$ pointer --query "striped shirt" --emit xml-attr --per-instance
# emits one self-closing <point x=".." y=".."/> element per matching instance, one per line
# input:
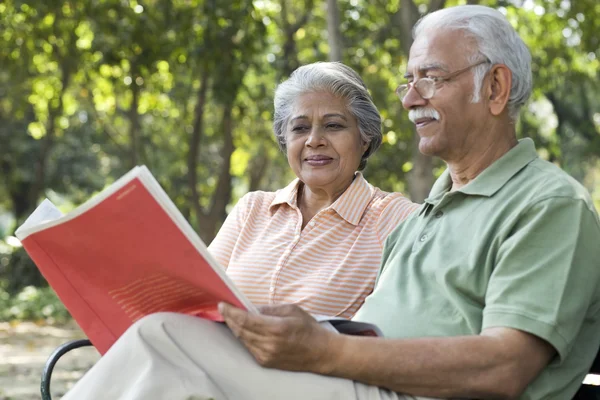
<point x="327" y="268"/>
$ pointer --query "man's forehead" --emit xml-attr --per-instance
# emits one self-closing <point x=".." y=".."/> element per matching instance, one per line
<point x="427" y="66"/>
<point x="437" y="49"/>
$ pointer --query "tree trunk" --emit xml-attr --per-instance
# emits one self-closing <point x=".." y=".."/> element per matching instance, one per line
<point x="195" y="139"/>
<point x="420" y="178"/>
<point x="257" y="170"/>
<point x="134" y="119"/>
<point x="334" y="37"/>
<point x="207" y="225"/>
<point x="21" y="205"/>
<point x="39" y="181"/>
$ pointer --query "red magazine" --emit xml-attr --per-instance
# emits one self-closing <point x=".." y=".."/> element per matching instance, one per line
<point x="126" y="253"/>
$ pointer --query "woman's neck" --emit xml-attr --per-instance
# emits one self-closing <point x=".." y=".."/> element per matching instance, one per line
<point x="313" y="200"/>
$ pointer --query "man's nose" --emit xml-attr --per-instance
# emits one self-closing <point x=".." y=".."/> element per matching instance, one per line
<point x="413" y="99"/>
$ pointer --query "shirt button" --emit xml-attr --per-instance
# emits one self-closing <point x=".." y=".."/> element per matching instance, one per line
<point x="312" y="223"/>
<point x="439" y="214"/>
<point x="423" y="238"/>
<point x="297" y="237"/>
<point x="277" y="268"/>
<point x="272" y="289"/>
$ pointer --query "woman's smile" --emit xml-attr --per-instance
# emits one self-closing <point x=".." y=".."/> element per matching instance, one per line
<point x="318" y="160"/>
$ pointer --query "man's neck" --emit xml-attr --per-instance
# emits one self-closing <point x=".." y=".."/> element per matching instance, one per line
<point x="467" y="168"/>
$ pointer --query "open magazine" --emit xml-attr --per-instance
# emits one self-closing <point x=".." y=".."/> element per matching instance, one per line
<point x="128" y="252"/>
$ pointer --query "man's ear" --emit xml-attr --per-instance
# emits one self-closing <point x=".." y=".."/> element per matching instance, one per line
<point x="498" y="88"/>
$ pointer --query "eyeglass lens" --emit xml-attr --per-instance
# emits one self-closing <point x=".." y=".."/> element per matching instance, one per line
<point x="425" y="87"/>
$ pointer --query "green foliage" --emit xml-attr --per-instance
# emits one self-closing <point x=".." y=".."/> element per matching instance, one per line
<point x="17" y="270"/>
<point x="32" y="304"/>
<point x="24" y="293"/>
<point x="89" y="89"/>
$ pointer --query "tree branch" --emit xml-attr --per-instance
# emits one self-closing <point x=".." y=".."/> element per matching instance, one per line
<point x="435" y="5"/>
<point x="108" y="129"/>
<point x="305" y="17"/>
<point x="290" y="57"/>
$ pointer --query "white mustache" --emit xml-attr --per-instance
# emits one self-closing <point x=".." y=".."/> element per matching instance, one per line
<point x="418" y="113"/>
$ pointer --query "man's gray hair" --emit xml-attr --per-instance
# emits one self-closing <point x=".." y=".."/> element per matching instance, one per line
<point x="497" y="41"/>
<point x="339" y="80"/>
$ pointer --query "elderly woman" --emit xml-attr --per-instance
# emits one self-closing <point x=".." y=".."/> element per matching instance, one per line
<point x="318" y="242"/>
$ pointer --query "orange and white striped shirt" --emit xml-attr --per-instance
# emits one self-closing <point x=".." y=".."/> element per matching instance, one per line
<point x="327" y="268"/>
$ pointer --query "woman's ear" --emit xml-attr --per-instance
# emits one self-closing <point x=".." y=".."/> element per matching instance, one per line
<point x="365" y="146"/>
<point x="498" y="90"/>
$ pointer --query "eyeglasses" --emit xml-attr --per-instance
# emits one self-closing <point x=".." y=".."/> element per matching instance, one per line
<point x="426" y="87"/>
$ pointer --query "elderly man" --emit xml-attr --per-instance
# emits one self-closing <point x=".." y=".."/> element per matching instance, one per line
<point x="490" y="290"/>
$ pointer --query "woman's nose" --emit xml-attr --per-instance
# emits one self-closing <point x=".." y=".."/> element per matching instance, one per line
<point x="315" y="138"/>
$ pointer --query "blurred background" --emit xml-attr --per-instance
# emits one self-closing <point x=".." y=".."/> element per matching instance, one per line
<point x="91" y="88"/>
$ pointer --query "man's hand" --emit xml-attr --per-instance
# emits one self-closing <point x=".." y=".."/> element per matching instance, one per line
<point x="282" y="336"/>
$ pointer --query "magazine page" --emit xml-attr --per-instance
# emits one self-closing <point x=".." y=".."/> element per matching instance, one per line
<point x="38" y="225"/>
<point x="45" y="212"/>
<point x="128" y="255"/>
<point x="163" y="199"/>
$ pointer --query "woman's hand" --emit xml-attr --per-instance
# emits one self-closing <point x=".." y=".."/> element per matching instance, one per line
<point x="283" y="337"/>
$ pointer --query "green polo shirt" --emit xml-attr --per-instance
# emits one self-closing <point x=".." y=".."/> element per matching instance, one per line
<point x="518" y="247"/>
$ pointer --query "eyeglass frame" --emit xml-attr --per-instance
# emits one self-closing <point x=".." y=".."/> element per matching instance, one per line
<point x="435" y="81"/>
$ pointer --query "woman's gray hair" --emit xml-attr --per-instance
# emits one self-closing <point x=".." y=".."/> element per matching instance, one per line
<point x="339" y="80"/>
<point x="497" y="41"/>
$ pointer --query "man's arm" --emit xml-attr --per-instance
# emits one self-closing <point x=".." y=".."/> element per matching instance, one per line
<point x="543" y="282"/>
<point x="497" y="364"/>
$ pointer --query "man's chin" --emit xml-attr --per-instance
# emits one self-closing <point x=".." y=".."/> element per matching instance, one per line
<point x="428" y="147"/>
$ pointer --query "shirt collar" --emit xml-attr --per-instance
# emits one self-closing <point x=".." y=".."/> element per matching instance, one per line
<point x="494" y="177"/>
<point x="351" y="205"/>
<point x="288" y="194"/>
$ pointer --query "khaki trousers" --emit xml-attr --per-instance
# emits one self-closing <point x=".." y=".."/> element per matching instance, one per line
<point x="179" y="357"/>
